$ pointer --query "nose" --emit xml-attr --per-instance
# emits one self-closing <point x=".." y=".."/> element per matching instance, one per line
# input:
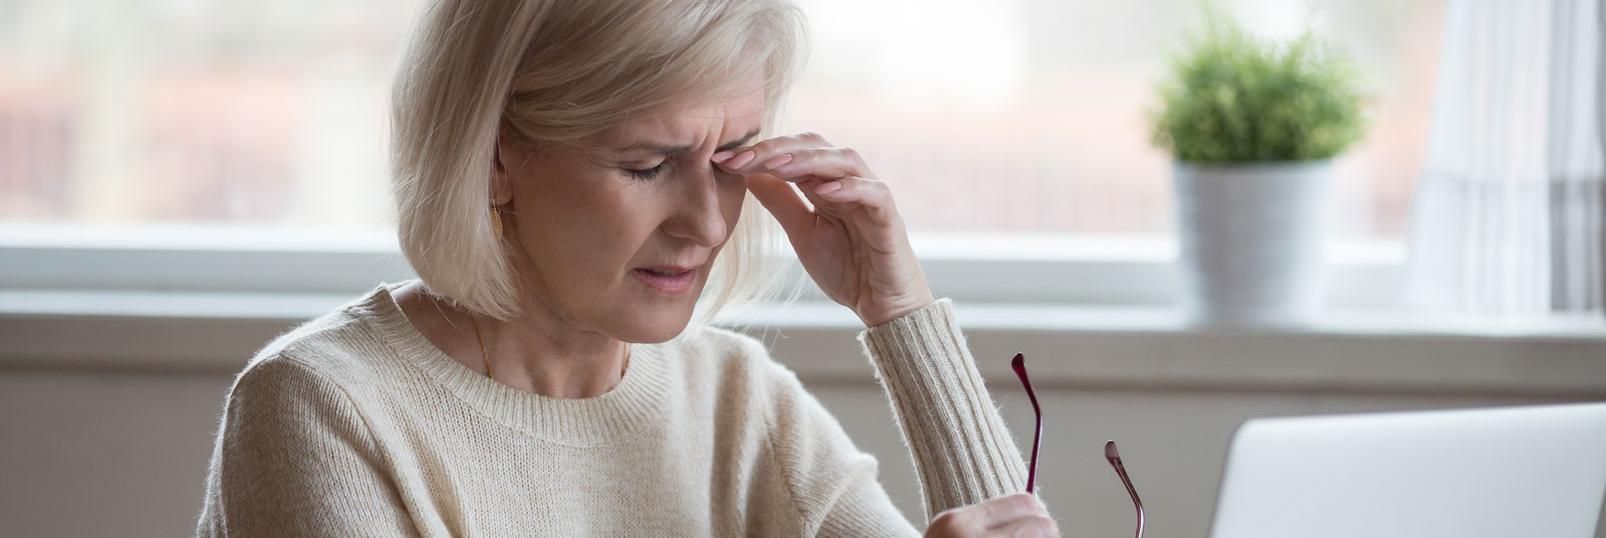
<point x="698" y="216"/>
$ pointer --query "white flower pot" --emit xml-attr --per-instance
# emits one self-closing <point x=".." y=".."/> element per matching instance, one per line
<point x="1250" y="241"/>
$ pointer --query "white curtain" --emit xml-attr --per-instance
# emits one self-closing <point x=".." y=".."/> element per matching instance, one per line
<point x="1508" y="214"/>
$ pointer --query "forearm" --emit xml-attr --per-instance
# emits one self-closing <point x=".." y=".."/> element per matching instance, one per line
<point x="962" y="451"/>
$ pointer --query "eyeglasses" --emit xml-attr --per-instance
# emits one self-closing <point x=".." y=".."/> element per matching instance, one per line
<point x="1110" y="452"/>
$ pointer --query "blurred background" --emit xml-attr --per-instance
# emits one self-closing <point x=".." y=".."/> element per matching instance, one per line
<point x="181" y="180"/>
<point x="1013" y="117"/>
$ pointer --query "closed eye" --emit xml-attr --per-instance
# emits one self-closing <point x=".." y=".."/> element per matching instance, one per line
<point x="645" y="174"/>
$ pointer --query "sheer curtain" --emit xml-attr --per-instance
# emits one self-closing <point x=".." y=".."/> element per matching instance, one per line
<point x="1508" y="214"/>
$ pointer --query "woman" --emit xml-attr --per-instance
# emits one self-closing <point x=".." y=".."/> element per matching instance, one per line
<point x="567" y="175"/>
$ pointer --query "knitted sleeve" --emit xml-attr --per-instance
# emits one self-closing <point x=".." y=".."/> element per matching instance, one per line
<point x="962" y="452"/>
<point x="293" y="457"/>
<point x="832" y="483"/>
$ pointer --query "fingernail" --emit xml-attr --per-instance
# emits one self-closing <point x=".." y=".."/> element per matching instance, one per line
<point x="741" y="160"/>
<point x="829" y="188"/>
<point x="722" y="156"/>
<point x="778" y="161"/>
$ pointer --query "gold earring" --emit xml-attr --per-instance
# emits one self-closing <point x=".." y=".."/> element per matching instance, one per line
<point x="496" y="220"/>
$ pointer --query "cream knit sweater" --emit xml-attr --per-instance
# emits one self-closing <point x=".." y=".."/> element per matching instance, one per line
<point x="354" y="424"/>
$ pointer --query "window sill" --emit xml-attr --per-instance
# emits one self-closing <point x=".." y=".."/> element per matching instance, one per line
<point x="1094" y="348"/>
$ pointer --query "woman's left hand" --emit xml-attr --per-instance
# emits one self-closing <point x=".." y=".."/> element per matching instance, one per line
<point x="853" y="242"/>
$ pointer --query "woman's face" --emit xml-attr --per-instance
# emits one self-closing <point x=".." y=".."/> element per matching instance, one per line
<point x="587" y="219"/>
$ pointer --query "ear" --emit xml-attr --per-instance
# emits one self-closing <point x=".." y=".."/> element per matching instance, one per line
<point x="501" y="182"/>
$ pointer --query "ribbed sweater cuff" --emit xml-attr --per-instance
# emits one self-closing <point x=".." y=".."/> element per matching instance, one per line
<point x="961" y="449"/>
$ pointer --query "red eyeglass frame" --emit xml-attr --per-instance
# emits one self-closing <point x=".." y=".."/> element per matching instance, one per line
<point x="1110" y="453"/>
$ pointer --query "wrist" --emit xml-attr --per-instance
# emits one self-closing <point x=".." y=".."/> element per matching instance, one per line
<point x="899" y="308"/>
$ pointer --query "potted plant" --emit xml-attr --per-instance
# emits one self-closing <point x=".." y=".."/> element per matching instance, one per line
<point x="1254" y="127"/>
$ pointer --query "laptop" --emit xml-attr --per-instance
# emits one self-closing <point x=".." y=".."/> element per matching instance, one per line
<point x="1479" y="473"/>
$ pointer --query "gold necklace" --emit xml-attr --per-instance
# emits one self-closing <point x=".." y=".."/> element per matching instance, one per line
<point x="486" y="357"/>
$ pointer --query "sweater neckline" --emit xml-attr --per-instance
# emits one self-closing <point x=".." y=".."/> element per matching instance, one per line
<point x="635" y="402"/>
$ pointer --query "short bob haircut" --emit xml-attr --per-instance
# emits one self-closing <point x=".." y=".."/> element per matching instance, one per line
<point x="547" y="72"/>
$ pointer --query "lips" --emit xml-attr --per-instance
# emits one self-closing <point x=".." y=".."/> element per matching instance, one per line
<point x="667" y="279"/>
<point x="668" y="270"/>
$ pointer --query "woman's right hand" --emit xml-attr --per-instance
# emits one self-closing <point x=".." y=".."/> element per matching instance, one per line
<point x="1020" y="514"/>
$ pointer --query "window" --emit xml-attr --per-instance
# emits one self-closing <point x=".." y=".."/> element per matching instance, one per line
<point x="1031" y="115"/>
<point x="1015" y="119"/>
<point x="212" y="113"/>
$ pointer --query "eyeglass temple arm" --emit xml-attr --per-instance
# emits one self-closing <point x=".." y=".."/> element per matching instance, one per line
<point x="1019" y="364"/>
<point x="1120" y="470"/>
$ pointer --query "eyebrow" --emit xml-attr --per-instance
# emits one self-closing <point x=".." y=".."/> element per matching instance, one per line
<point x="669" y="149"/>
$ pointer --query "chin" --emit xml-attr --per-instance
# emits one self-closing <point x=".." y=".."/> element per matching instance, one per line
<point x="652" y="322"/>
<point x="658" y="328"/>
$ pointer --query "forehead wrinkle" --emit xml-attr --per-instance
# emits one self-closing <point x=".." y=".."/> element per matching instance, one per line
<point x="672" y="133"/>
<point x="645" y="133"/>
<point x="671" y="128"/>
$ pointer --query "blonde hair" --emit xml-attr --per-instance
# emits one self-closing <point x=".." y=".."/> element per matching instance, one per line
<point x="553" y="72"/>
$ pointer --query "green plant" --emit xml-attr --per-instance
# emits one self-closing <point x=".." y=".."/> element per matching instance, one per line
<point x="1237" y="99"/>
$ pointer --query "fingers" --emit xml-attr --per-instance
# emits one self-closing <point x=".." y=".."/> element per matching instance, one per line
<point x="794" y="157"/>
<point x="958" y="522"/>
<point x="1010" y="508"/>
<point x="1042" y="526"/>
<point x="742" y="158"/>
<point x="822" y="171"/>
<point x="826" y="175"/>
<point x="825" y="163"/>
<point x="783" y="202"/>
<point x="1020" y="514"/>
<point x="868" y="194"/>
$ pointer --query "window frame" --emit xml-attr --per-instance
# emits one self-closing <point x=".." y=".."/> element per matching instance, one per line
<point x="996" y="268"/>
